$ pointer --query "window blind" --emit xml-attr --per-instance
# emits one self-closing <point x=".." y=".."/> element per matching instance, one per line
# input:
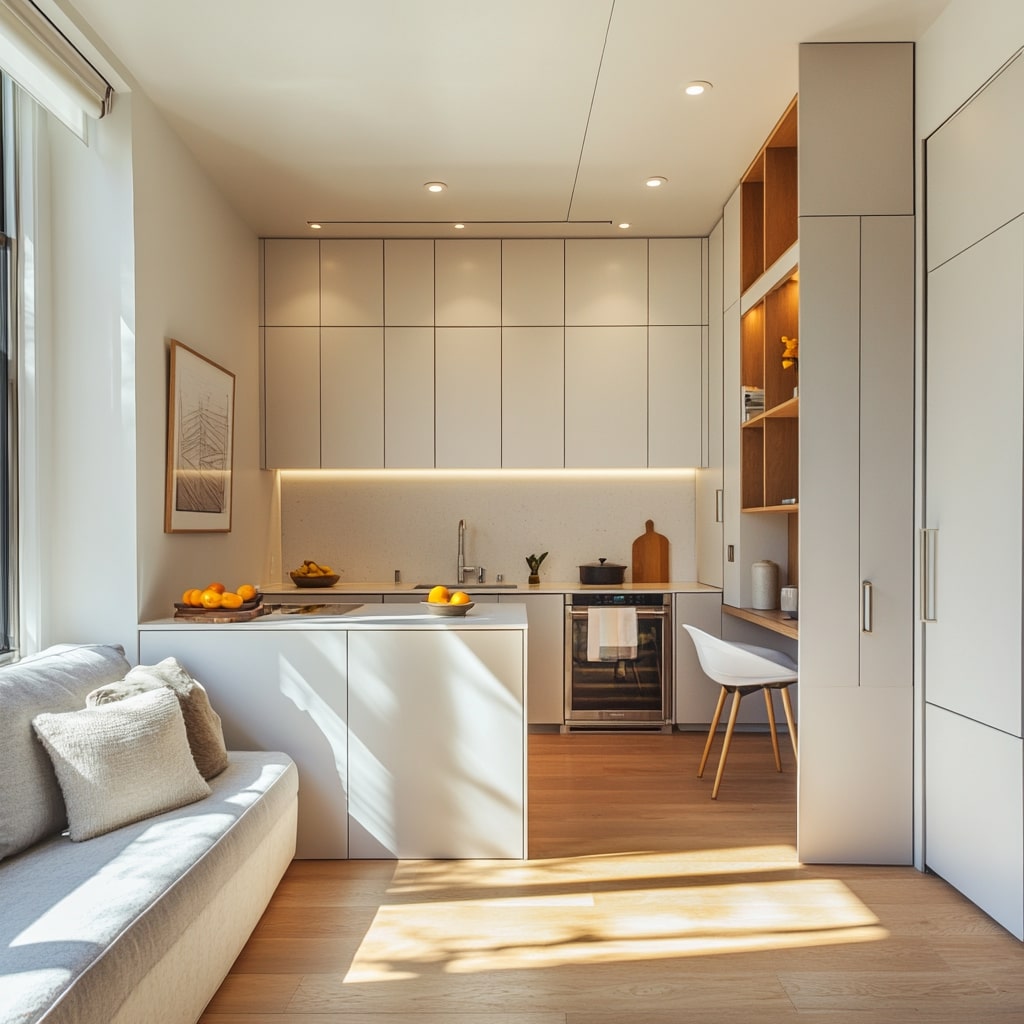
<point x="40" y="58"/>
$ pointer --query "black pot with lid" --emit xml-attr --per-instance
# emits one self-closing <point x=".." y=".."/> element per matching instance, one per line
<point x="602" y="572"/>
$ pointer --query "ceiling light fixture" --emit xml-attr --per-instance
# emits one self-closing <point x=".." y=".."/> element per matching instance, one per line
<point x="435" y="186"/>
<point x="698" y="88"/>
<point x="655" y="182"/>
<point x="624" y="225"/>
<point x="459" y="227"/>
<point x="315" y="226"/>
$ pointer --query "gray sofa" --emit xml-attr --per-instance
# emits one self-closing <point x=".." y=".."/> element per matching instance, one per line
<point x="143" y="921"/>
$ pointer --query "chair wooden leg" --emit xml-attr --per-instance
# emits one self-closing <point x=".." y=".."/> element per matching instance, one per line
<point x="788" y="707"/>
<point x="711" y="732"/>
<point x="733" y="712"/>
<point x="770" y="708"/>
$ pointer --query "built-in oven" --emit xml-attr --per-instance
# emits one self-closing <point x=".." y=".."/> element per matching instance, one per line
<point x="618" y="660"/>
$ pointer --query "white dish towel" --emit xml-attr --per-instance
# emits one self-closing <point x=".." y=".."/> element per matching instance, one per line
<point x="611" y="634"/>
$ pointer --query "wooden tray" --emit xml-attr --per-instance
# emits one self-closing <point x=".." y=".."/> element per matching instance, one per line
<point x="249" y="610"/>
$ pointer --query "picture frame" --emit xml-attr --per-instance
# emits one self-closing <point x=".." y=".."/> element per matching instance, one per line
<point x="200" y="443"/>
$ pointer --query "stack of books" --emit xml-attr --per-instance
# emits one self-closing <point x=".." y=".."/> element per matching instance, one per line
<point x="753" y="402"/>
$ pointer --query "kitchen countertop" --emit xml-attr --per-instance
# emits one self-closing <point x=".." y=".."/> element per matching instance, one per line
<point x="563" y="587"/>
<point x="508" y="615"/>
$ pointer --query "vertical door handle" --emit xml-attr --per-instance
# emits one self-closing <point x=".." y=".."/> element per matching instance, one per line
<point x="866" y="610"/>
<point x="719" y="506"/>
<point x="929" y="551"/>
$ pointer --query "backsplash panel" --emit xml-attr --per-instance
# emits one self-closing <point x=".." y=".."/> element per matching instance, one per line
<point x="366" y="527"/>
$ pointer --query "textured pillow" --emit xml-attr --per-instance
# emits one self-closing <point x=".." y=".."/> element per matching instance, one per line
<point x="121" y="762"/>
<point x="56" y="679"/>
<point x="202" y="723"/>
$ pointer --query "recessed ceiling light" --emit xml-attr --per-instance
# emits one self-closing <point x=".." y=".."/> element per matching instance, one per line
<point x="435" y="186"/>
<point x="459" y="227"/>
<point x="698" y="88"/>
<point x="316" y="227"/>
<point x="655" y="182"/>
<point x="624" y="225"/>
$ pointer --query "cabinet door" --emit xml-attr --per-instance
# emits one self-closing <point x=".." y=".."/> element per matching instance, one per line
<point x="408" y="282"/>
<point x="545" y="672"/>
<point x="532" y="282"/>
<point x="437" y="744"/>
<point x="408" y="397"/>
<point x="606" y="397"/>
<point x="291" y="397"/>
<point x="675" y="281"/>
<point x="606" y="281"/>
<point x="352" y="282"/>
<point x="278" y="690"/>
<point x="532" y="397"/>
<point x="695" y="694"/>
<point x="675" y="410"/>
<point x="467" y="282"/>
<point x="291" y="282"/>
<point x="467" y="415"/>
<point x="352" y="397"/>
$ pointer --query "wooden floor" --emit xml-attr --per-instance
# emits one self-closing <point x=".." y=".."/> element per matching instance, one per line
<point x="643" y="902"/>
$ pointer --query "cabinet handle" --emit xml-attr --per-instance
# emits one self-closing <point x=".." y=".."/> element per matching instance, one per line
<point x="866" y="610"/>
<point x="929" y="551"/>
<point x="719" y="505"/>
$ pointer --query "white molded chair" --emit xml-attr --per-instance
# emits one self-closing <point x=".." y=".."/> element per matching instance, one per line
<point x="741" y="669"/>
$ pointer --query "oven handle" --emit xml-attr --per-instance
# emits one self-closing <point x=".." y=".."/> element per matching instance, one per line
<point x="641" y="613"/>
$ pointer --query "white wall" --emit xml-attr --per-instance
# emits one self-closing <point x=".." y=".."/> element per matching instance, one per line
<point x="366" y="526"/>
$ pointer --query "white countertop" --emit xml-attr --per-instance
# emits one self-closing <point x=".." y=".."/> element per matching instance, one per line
<point x="507" y="615"/>
<point x="557" y="587"/>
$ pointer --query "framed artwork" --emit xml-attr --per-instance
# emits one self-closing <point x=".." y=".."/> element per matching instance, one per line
<point x="200" y="439"/>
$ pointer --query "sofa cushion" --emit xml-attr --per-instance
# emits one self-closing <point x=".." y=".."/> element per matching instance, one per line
<point x="56" y="679"/>
<point x="122" y="762"/>
<point x="202" y="723"/>
<point x="82" y="923"/>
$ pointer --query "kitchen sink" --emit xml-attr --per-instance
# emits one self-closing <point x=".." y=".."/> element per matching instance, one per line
<point x="469" y="587"/>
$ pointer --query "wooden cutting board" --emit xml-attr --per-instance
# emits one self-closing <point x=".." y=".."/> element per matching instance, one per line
<point x="650" y="556"/>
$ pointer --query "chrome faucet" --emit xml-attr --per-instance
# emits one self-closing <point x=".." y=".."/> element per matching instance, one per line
<point x="461" y="567"/>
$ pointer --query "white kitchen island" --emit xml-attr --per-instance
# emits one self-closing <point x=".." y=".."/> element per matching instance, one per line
<point x="408" y="728"/>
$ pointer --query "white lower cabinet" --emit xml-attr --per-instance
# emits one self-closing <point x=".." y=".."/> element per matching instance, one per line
<point x="437" y="760"/>
<point x="545" y="615"/>
<point x="695" y="695"/>
<point x="278" y="690"/>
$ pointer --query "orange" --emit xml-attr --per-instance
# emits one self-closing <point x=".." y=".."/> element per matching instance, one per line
<point x="438" y="595"/>
<point x="194" y="598"/>
<point x="247" y="592"/>
<point x="219" y="587"/>
<point x="185" y="596"/>
<point x="460" y="597"/>
<point x="229" y="600"/>
<point x="210" y="598"/>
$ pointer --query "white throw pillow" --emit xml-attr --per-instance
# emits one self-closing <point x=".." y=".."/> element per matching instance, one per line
<point x="121" y="762"/>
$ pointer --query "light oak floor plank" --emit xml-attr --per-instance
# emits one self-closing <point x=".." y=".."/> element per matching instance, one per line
<point x="643" y="901"/>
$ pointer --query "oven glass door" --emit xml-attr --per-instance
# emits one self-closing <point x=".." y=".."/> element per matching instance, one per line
<point x="623" y="689"/>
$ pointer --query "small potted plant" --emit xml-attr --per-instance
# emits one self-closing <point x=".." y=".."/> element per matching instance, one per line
<point x="533" y="561"/>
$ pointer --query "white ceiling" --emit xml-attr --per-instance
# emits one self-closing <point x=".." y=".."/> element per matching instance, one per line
<point x="544" y="113"/>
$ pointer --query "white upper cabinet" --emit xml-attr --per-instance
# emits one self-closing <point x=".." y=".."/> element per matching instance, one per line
<point x="291" y="370"/>
<point x="731" y="252"/>
<point x="467" y="413"/>
<point x="605" y="397"/>
<point x="291" y="292"/>
<point x="675" y="286"/>
<point x="974" y="175"/>
<point x="532" y="282"/>
<point x="674" y="394"/>
<point x="408" y="397"/>
<point x="351" y="397"/>
<point x="352" y="282"/>
<point x="467" y="283"/>
<point x="532" y="390"/>
<point x="408" y="282"/>
<point x="606" y="282"/>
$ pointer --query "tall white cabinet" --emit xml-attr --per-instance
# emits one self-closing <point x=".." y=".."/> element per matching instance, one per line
<point x="856" y="168"/>
<point x="972" y="550"/>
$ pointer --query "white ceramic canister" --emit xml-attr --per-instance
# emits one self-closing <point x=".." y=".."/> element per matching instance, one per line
<point x="765" y="585"/>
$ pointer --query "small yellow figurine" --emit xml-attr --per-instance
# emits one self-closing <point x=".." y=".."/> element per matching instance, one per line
<point x="790" y="353"/>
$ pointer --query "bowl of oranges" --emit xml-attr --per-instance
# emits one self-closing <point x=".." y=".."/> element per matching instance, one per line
<point x="215" y="597"/>
<point x="441" y="601"/>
